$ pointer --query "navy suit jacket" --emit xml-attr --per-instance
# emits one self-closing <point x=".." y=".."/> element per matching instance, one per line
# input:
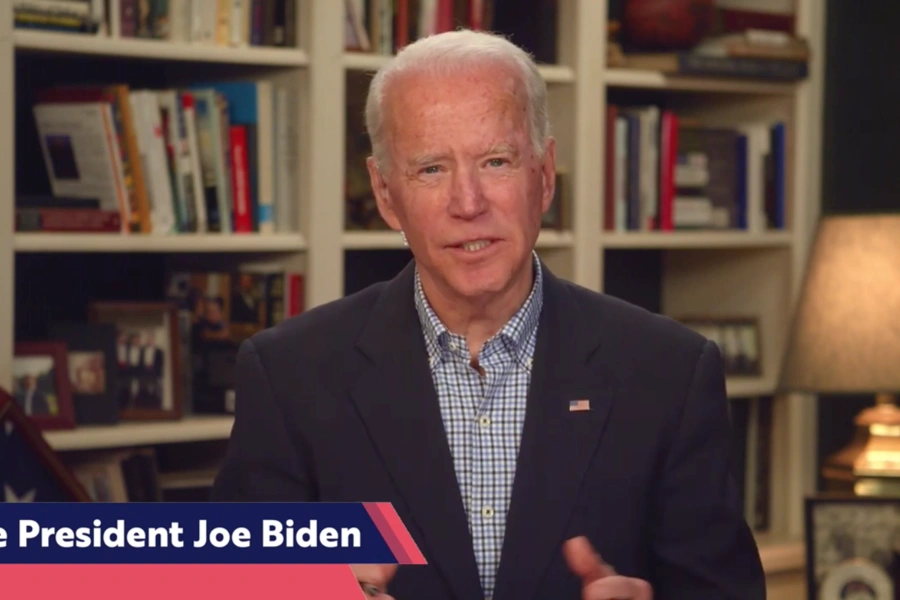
<point x="338" y="404"/>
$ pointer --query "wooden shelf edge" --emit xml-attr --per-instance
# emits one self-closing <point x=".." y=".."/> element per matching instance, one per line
<point x="694" y="239"/>
<point x="78" y="43"/>
<point x="366" y="61"/>
<point x="638" y="78"/>
<point x="748" y="387"/>
<point x="390" y="240"/>
<point x="782" y="557"/>
<point x="136" y="433"/>
<point x="186" y="242"/>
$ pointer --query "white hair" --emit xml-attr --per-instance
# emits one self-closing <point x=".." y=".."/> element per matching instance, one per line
<point x="453" y="50"/>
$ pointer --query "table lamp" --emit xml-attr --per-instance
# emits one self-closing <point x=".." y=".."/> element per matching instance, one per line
<point x="845" y="338"/>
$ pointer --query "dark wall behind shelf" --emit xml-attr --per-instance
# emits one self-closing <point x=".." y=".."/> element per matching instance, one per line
<point x="861" y="125"/>
<point x="861" y="152"/>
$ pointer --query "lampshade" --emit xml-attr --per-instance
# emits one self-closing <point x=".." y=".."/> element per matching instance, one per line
<point x="846" y="332"/>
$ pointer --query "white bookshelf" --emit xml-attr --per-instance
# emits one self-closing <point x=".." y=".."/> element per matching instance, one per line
<point x="639" y="79"/>
<point x="106" y="242"/>
<point x="389" y="240"/>
<point x="712" y="272"/>
<point x="156" y="50"/>
<point x="141" y="433"/>
<point x="361" y="61"/>
<point x="696" y="239"/>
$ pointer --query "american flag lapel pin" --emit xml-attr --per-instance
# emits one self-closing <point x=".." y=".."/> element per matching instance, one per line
<point x="579" y="405"/>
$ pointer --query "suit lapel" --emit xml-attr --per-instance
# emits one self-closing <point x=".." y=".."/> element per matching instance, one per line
<point x="397" y="402"/>
<point x="557" y="444"/>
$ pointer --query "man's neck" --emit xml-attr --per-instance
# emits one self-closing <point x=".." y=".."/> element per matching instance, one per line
<point x="478" y="319"/>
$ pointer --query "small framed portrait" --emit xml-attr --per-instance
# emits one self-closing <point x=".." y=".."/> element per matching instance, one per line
<point x="30" y="470"/>
<point x="41" y="384"/>
<point x="147" y="358"/>
<point x="92" y="369"/>
<point x="852" y="546"/>
<point x="738" y="339"/>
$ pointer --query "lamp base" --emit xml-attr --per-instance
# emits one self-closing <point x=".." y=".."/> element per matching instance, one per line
<point x="870" y="464"/>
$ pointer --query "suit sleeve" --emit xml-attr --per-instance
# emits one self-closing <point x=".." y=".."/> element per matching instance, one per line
<point x="262" y="462"/>
<point x="703" y="546"/>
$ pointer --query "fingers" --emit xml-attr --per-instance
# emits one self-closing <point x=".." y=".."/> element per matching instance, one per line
<point x="374" y="579"/>
<point x="618" y="587"/>
<point x="584" y="561"/>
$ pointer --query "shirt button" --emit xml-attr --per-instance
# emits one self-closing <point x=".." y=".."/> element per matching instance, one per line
<point x="487" y="512"/>
<point x="485" y="421"/>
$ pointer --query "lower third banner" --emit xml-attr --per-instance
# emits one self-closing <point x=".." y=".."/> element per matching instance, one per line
<point x="230" y="550"/>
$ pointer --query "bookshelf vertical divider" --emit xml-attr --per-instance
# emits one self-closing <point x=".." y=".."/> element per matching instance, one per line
<point x="588" y="60"/>
<point x="7" y="197"/>
<point x="323" y="152"/>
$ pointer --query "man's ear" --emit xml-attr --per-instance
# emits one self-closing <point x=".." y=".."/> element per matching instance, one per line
<point x="548" y="171"/>
<point x="382" y="195"/>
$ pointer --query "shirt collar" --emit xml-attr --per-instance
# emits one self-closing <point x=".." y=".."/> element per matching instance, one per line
<point x="517" y="332"/>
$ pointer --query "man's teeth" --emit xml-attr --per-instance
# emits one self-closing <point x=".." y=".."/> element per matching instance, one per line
<point x="475" y="246"/>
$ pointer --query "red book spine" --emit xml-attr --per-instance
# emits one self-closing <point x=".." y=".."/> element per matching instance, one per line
<point x="243" y="221"/>
<point x="295" y="306"/>
<point x="68" y="219"/>
<point x="668" y="158"/>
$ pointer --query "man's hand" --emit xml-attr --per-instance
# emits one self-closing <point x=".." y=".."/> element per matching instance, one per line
<point x="374" y="579"/>
<point x="599" y="580"/>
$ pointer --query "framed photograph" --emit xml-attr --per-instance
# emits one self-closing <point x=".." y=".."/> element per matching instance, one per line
<point x="30" y="470"/>
<point x="148" y="358"/>
<point x="852" y="546"/>
<point x="41" y="384"/>
<point x="738" y="339"/>
<point x="93" y="372"/>
<point x="101" y="475"/>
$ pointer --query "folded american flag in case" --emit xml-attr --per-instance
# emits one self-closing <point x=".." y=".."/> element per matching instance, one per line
<point x="30" y="471"/>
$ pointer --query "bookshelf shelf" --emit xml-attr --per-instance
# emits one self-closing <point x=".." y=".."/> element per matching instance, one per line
<point x="89" y="45"/>
<point x="780" y="556"/>
<point x="365" y="61"/>
<point x="189" y="429"/>
<point x="194" y="478"/>
<point x="112" y="242"/>
<point x="695" y="239"/>
<point x="748" y="387"/>
<point x="388" y="240"/>
<point x="636" y="78"/>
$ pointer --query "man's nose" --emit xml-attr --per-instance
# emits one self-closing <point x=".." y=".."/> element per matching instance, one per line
<point x="467" y="199"/>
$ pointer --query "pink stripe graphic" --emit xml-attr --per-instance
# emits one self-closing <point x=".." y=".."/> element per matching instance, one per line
<point x="387" y="533"/>
<point x="152" y="582"/>
<point x="389" y="521"/>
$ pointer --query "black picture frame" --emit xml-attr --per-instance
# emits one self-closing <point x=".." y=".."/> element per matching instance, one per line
<point x="30" y="470"/>
<point x="852" y="544"/>
<point x="91" y="407"/>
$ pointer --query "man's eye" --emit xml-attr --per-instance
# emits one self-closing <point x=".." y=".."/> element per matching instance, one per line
<point x="430" y="170"/>
<point x="497" y="162"/>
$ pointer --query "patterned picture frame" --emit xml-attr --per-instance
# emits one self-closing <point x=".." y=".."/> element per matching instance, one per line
<point x="852" y="546"/>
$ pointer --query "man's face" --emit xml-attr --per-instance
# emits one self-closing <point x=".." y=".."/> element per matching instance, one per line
<point x="465" y="184"/>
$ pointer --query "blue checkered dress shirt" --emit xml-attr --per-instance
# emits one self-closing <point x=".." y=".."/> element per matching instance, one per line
<point x="483" y="414"/>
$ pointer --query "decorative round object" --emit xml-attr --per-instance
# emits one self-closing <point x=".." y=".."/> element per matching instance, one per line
<point x="857" y="579"/>
<point x="667" y="25"/>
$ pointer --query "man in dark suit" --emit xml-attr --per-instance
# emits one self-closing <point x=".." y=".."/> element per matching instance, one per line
<point x="538" y="439"/>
